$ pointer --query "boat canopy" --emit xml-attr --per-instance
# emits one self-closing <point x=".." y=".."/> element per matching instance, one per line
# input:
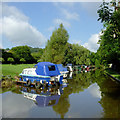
<point x="47" y="69"/>
<point x="43" y="101"/>
<point x="61" y="68"/>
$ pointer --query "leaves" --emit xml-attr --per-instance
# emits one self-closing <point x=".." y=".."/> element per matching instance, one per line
<point x="109" y="50"/>
<point x="56" y="46"/>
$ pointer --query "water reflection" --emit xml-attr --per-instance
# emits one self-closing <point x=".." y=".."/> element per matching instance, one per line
<point x="86" y="95"/>
<point x="43" y="97"/>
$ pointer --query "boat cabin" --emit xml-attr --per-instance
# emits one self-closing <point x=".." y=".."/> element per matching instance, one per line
<point x="43" y="74"/>
<point x="47" y="69"/>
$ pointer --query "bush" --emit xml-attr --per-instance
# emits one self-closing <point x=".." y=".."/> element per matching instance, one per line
<point x="10" y="60"/>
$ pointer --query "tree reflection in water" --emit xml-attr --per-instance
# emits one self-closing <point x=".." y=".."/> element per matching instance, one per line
<point x="110" y="92"/>
<point x="110" y="101"/>
<point x="79" y="83"/>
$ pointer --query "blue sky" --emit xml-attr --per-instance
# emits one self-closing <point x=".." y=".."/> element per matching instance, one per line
<point x="32" y="23"/>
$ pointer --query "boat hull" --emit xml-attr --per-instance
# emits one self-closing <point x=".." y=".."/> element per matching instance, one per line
<point x="41" y="79"/>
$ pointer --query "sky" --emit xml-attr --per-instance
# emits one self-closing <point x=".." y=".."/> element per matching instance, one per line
<point x="32" y="23"/>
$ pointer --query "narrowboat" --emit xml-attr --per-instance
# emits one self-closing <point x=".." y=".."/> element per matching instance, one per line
<point x="43" y="74"/>
<point x="70" y="67"/>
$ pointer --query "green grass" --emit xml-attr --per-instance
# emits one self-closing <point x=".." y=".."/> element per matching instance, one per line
<point x="113" y="73"/>
<point x="14" y="70"/>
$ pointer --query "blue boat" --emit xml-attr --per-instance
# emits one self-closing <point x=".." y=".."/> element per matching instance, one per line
<point x="43" y="99"/>
<point x="63" y="70"/>
<point x="43" y="74"/>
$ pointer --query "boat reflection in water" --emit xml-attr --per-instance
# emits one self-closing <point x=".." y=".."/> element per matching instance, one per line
<point x="44" y="96"/>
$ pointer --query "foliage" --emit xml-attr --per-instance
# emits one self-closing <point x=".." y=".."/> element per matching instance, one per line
<point x="109" y="50"/>
<point x="34" y="50"/>
<point x="2" y="60"/>
<point x="37" y="55"/>
<point x="97" y="64"/>
<point x="104" y="12"/>
<point x="92" y="58"/>
<point x="56" y="46"/>
<point x="11" y="60"/>
<point x="6" y="55"/>
<point x="22" y="60"/>
<point x="22" y="52"/>
<point x="76" y="54"/>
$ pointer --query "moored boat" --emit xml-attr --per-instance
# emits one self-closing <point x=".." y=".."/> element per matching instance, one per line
<point x="63" y="70"/>
<point x="43" y="74"/>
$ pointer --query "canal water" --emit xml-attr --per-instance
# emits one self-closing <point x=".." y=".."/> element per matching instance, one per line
<point x="83" y="95"/>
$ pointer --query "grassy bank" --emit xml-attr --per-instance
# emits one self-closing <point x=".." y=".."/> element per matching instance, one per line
<point x="113" y="73"/>
<point x="14" y="70"/>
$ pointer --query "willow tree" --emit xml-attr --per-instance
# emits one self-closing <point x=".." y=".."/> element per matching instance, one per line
<point x="56" y="46"/>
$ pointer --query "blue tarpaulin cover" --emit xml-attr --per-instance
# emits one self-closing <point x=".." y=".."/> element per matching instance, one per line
<point x="47" y="69"/>
<point x="61" y="68"/>
<point x="43" y="101"/>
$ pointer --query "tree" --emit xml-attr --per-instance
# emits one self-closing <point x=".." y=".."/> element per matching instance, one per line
<point x="105" y="12"/>
<point x="56" y="46"/>
<point x="76" y="54"/>
<point x="5" y="55"/>
<point x="22" y="52"/>
<point x="37" y="54"/>
<point x="2" y="60"/>
<point x="22" y="60"/>
<point x="92" y="58"/>
<point x="109" y="50"/>
<point x="10" y="60"/>
<point x="68" y="56"/>
<point x="97" y="64"/>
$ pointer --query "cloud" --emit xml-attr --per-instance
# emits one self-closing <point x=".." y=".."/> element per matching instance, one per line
<point x="62" y="6"/>
<point x="75" y="41"/>
<point x="59" y="21"/>
<point x="92" y="43"/>
<point x="70" y="16"/>
<point x="20" y="106"/>
<point x="18" y="30"/>
<point x="11" y="11"/>
<point x="91" y="7"/>
<point x="95" y="90"/>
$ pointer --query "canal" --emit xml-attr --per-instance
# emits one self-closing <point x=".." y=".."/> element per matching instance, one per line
<point x="83" y="95"/>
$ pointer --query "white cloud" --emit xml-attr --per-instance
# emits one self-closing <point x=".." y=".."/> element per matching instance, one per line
<point x="75" y="41"/>
<point x="92" y="43"/>
<point x="91" y="7"/>
<point x="17" y="29"/>
<point x="20" y="106"/>
<point x="95" y="90"/>
<point x="11" y="11"/>
<point x="70" y="16"/>
<point x="59" y="21"/>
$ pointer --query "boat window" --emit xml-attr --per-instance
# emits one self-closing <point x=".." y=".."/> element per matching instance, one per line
<point x="23" y="72"/>
<point x="51" y="68"/>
